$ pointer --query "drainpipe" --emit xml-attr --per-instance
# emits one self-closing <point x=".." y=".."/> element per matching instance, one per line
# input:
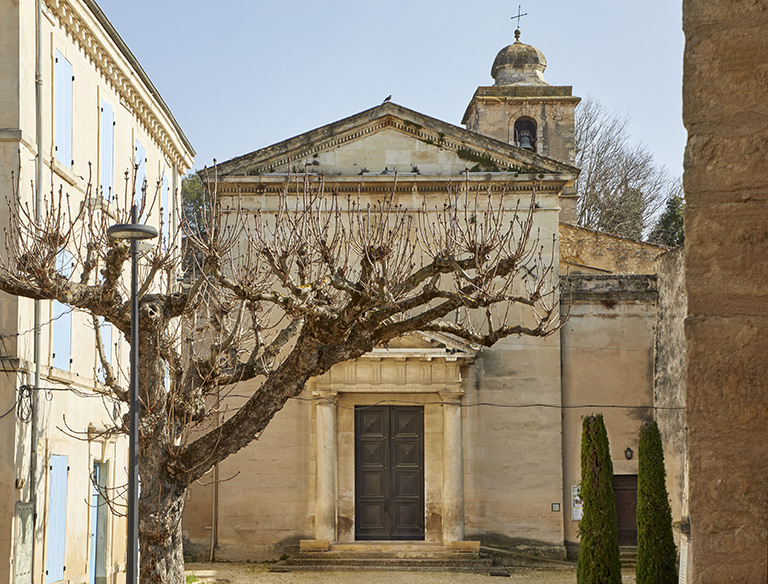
<point x="38" y="303"/>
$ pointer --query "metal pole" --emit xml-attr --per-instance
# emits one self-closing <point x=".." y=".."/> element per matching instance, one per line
<point x="38" y="343"/>
<point x="133" y="440"/>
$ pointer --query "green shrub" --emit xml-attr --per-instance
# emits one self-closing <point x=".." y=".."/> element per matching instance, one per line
<point x="656" y="553"/>
<point x="599" y="561"/>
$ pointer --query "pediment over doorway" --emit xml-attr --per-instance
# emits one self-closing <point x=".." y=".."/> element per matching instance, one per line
<point x="425" y="345"/>
<point x="415" y="363"/>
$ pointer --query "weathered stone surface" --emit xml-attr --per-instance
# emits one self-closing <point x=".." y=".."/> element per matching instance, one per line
<point x="726" y="245"/>
<point x="733" y="181"/>
<point x="725" y="111"/>
<point x="587" y="251"/>
<point x="607" y="361"/>
<point x="728" y="458"/>
<point x="669" y="376"/>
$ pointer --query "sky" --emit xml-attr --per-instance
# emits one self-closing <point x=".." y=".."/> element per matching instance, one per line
<point x="240" y="75"/>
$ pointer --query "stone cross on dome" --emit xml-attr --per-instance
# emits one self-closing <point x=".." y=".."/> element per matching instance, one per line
<point x="518" y="16"/>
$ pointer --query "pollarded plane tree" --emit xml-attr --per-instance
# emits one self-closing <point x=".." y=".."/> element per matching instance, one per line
<point x="277" y="298"/>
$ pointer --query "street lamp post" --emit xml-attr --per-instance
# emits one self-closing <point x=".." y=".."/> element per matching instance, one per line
<point x="133" y="232"/>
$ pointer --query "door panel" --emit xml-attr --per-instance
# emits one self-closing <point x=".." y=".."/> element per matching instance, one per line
<point x="389" y="473"/>
<point x="625" y="489"/>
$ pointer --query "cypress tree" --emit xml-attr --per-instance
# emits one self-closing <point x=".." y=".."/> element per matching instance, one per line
<point x="599" y="560"/>
<point x="656" y="553"/>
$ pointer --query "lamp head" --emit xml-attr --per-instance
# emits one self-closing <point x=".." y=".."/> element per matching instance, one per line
<point x="131" y="231"/>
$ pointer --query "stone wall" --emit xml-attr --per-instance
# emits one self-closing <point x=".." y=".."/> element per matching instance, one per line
<point x="669" y="377"/>
<point x="726" y="113"/>
<point x="607" y="355"/>
<point x="587" y="251"/>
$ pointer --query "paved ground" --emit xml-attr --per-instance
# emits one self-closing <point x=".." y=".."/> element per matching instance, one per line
<point x="224" y="573"/>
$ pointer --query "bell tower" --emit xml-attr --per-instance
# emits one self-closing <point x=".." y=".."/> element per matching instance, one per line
<point x="521" y="108"/>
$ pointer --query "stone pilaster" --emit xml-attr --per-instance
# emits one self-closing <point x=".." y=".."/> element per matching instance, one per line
<point x="453" y="468"/>
<point x="325" y="489"/>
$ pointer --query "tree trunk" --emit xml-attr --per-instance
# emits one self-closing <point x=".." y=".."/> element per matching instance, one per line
<point x="161" y="496"/>
<point x="161" y="555"/>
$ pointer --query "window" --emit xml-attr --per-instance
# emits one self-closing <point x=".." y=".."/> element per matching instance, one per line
<point x="61" y="354"/>
<point x="57" y="518"/>
<point x="140" y="163"/>
<point x="107" y="149"/>
<point x="63" y="86"/>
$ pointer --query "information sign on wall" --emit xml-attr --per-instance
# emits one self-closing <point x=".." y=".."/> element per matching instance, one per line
<point x="576" y="504"/>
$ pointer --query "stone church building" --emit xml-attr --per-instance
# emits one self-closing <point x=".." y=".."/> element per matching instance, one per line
<point x="431" y="439"/>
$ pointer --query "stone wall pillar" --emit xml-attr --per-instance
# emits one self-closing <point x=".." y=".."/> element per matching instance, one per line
<point x="325" y="488"/>
<point x="453" y="468"/>
<point x="725" y="111"/>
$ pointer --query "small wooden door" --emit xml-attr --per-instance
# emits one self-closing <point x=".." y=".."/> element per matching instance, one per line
<point x="625" y="489"/>
<point x="389" y="473"/>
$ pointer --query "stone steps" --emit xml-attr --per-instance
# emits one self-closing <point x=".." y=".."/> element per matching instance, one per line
<point x="513" y="558"/>
<point x="628" y="555"/>
<point x="415" y="557"/>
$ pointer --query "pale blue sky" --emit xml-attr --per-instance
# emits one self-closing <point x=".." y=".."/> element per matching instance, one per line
<point x="243" y="74"/>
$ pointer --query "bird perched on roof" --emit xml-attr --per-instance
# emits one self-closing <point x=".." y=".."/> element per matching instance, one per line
<point x="386" y="99"/>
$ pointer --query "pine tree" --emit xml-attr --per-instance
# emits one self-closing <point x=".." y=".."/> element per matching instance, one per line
<point x="599" y="560"/>
<point x="656" y="553"/>
<point x="669" y="230"/>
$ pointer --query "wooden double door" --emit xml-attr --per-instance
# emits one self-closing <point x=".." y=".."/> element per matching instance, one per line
<point x="389" y="473"/>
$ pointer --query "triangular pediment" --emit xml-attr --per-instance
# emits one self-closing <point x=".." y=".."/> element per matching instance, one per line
<point x="422" y="345"/>
<point x="390" y="139"/>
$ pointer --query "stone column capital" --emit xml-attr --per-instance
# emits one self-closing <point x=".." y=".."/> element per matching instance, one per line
<point x="323" y="394"/>
<point x="451" y="396"/>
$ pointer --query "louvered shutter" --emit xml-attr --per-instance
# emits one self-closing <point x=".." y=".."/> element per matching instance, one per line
<point x="63" y="112"/>
<point x="107" y="169"/>
<point x="139" y="160"/>
<point x="61" y="354"/>
<point x="57" y="519"/>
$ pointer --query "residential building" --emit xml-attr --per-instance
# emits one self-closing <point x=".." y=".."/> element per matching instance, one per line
<point x="77" y="112"/>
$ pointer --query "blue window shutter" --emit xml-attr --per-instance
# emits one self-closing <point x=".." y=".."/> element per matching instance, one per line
<point x="165" y="201"/>
<point x="62" y="319"/>
<point x="62" y="336"/>
<point x="140" y="159"/>
<point x="57" y="519"/>
<point x="63" y="83"/>
<point x="107" y="169"/>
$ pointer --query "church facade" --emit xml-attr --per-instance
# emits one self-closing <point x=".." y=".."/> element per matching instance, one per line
<point x="431" y="439"/>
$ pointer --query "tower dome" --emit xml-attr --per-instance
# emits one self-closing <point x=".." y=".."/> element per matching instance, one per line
<point x="519" y="64"/>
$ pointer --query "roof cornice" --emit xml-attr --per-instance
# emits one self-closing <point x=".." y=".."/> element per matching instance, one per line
<point x="177" y="148"/>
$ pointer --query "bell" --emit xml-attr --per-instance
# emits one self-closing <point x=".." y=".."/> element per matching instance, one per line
<point x="525" y="140"/>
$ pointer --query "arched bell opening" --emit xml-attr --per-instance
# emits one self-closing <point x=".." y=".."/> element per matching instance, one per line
<point x="525" y="133"/>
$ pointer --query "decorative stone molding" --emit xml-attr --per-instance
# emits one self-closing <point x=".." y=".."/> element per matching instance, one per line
<point x="424" y="134"/>
<point x="130" y="96"/>
<point x="273" y="184"/>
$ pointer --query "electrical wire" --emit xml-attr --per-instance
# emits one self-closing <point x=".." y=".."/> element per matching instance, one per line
<point x="488" y="404"/>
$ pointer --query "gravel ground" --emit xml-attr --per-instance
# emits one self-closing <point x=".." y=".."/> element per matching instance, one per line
<point x="225" y="573"/>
